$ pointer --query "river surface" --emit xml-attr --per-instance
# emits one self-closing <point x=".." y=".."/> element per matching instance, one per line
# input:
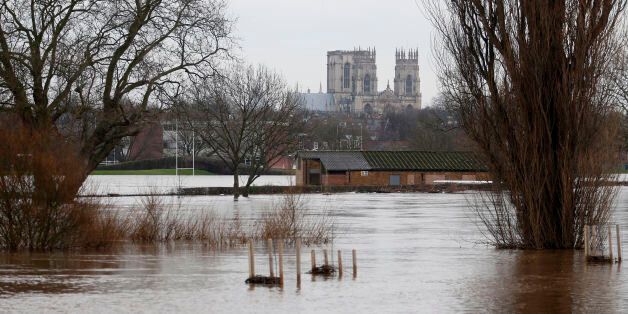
<point x="416" y="253"/>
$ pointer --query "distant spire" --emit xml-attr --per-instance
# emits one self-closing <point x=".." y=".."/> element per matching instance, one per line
<point x="388" y="85"/>
<point x="297" y="87"/>
<point x="320" y="89"/>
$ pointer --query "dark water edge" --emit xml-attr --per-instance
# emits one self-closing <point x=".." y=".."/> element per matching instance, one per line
<point x="416" y="253"/>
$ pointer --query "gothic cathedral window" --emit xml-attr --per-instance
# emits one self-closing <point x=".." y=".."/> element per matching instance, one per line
<point x="347" y="75"/>
<point x="409" y="85"/>
<point x="367" y="84"/>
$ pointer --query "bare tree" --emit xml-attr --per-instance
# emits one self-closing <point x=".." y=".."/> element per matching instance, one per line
<point x="249" y="114"/>
<point x="620" y="78"/>
<point x="188" y="142"/>
<point x="92" y="70"/>
<point x="527" y="79"/>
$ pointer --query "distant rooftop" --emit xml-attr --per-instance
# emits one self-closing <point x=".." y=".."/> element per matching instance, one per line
<point x="318" y="101"/>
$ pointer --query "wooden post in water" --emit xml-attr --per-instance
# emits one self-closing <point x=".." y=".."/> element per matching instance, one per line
<point x="618" y="243"/>
<point x="610" y="243"/>
<point x="339" y="264"/>
<point x="325" y="257"/>
<point x="270" y="257"/>
<point x="281" y="262"/>
<point x="251" y="260"/>
<point x="586" y="241"/>
<point x="298" y="252"/>
<point x="313" y="260"/>
<point x="594" y="241"/>
<point x="355" y="263"/>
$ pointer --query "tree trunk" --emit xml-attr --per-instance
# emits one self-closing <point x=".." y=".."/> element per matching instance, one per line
<point x="249" y="182"/>
<point x="236" y="185"/>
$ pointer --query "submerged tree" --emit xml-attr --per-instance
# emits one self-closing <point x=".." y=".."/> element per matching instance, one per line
<point x="528" y="82"/>
<point x="247" y="115"/>
<point x="94" y="70"/>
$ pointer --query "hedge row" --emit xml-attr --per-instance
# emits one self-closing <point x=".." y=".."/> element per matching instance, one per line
<point x="212" y="165"/>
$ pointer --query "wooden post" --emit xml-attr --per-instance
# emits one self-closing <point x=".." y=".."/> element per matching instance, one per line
<point x="355" y="263"/>
<point x="270" y="257"/>
<point x="586" y="241"/>
<point x="610" y="242"/>
<point x="251" y="260"/>
<point x="594" y="241"/>
<point x="298" y="252"/>
<point x="313" y="260"/>
<point x="325" y="257"/>
<point x="618" y="243"/>
<point x="339" y="264"/>
<point x="281" y="262"/>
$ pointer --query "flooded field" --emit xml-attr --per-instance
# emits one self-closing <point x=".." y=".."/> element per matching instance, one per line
<point x="125" y="185"/>
<point x="416" y="253"/>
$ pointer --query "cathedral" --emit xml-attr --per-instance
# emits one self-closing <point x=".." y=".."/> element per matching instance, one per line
<point x="352" y="83"/>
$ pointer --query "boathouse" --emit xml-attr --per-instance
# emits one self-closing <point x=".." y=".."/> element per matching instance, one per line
<point x="386" y="168"/>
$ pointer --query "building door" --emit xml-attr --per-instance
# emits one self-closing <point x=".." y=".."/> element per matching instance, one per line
<point x="395" y="180"/>
<point x="314" y="177"/>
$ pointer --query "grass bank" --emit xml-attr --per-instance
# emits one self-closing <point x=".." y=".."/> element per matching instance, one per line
<point x="183" y="172"/>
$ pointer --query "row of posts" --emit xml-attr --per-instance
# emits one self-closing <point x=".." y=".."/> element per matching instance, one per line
<point x="592" y="236"/>
<point x="298" y="258"/>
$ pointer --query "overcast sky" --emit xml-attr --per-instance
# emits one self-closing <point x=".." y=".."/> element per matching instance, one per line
<point x="293" y="36"/>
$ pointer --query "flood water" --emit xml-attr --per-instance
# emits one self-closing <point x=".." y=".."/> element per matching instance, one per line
<point x="163" y="184"/>
<point x="416" y="253"/>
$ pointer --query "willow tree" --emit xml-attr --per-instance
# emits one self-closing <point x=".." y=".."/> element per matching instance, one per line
<point x="94" y="71"/>
<point x="527" y="79"/>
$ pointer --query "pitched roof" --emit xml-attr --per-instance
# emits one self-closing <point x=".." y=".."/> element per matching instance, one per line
<point x="397" y="160"/>
<point x="338" y="161"/>
<point x="428" y="161"/>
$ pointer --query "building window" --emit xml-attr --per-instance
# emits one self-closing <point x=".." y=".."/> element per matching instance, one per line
<point x="395" y="180"/>
<point x="315" y="145"/>
<point x="368" y="109"/>
<point x="347" y="75"/>
<point x="364" y="173"/>
<point x="409" y="85"/>
<point x="367" y="83"/>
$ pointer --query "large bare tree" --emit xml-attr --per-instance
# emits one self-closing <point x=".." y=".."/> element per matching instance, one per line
<point x="94" y="71"/>
<point x="528" y="82"/>
<point x="248" y="114"/>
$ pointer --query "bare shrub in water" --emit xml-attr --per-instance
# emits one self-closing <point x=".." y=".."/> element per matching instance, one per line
<point x="291" y="219"/>
<point x="39" y="176"/>
<point x="154" y="221"/>
<point x="527" y="80"/>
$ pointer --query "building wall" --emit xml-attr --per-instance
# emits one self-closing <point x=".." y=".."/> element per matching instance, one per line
<point x="303" y="168"/>
<point x="382" y="178"/>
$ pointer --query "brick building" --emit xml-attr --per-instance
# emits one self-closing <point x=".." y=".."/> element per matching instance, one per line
<point x="386" y="168"/>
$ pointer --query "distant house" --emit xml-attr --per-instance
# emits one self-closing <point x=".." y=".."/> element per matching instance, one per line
<point x="386" y="168"/>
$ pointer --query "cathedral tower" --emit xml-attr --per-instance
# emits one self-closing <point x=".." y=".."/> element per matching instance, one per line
<point x="351" y="74"/>
<point x="407" y="81"/>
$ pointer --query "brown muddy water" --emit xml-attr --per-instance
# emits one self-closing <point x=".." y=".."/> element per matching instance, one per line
<point x="416" y="253"/>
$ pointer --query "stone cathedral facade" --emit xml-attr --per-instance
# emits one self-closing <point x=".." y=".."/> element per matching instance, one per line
<point x="352" y="82"/>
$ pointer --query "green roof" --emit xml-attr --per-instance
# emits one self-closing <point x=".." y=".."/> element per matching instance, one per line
<point x="397" y="160"/>
<point x="424" y="161"/>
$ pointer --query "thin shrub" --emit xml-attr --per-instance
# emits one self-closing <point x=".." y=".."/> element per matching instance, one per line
<point x="291" y="219"/>
<point x="155" y="221"/>
<point x="40" y="175"/>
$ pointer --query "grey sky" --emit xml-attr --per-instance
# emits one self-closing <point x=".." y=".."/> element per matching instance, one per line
<point x="293" y="36"/>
